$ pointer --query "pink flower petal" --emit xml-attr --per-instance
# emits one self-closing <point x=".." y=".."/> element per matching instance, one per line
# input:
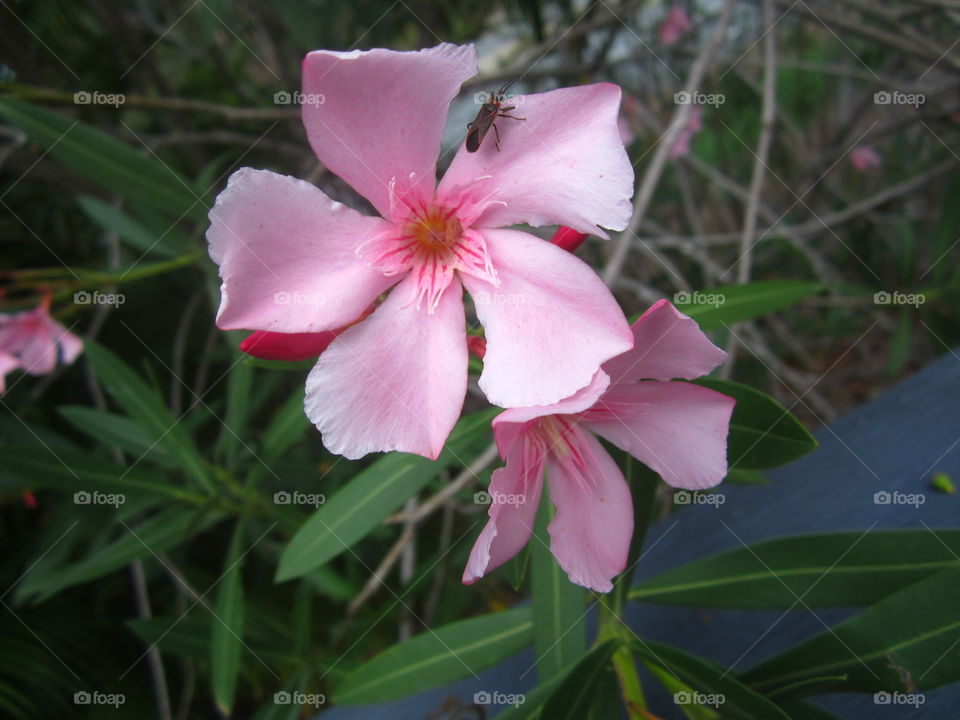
<point x="287" y="256"/>
<point x="668" y="345"/>
<point x="677" y="429"/>
<point x="510" y="524"/>
<point x="564" y="164"/>
<point x="382" y="116"/>
<point x="590" y="534"/>
<point x="36" y="340"/>
<point x="509" y="425"/>
<point x="395" y="381"/>
<point x="549" y="324"/>
<point x="8" y="363"/>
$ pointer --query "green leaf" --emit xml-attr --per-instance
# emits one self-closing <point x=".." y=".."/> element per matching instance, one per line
<point x="116" y="165"/>
<point x="577" y="694"/>
<point x="137" y="237"/>
<point x="159" y="533"/>
<point x="118" y="431"/>
<point x="288" y="425"/>
<point x="438" y="657"/>
<point x="829" y="570"/>
<point x="763" y="433"/>
<point x="559" y="616"/>
<point x="74" y="471"/>
<point x="143" y="404"/>
<point x="736" y="700"/>
<point x="226" y="644"/>
<point x="359" y="507"/>
<point x="900" y="346"/>
<point x="234" y="427"/>
<point x="904" y="641"/>
<point x="723" y="306"/>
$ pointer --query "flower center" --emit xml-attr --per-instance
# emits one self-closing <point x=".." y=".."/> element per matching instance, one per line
<point x="555" y="432"/>
<point x="435" y="232"/>
<point x="431" y="243"/>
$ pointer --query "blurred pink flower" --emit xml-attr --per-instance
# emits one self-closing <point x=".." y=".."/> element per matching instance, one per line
<point x="675" y="25"/>
<point x="292" y="260"/>
<point x="8" y="363"/>
<point x="681" y="144"/>
<point x="33" y="341"/>
<point x="864" y="158"/>
<point x="676" y="428"/>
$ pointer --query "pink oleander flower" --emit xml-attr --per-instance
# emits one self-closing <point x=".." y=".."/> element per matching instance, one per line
<point x="681" y="144"/>
<point x="675" y="25"/>
<point x="292" y="260"/>
<point x="677" y="429"/>
<point x="864" y="158"/>
<point x="33" y="341"/>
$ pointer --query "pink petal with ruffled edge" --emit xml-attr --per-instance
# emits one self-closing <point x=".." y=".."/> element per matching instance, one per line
<point x="668" y="345"/>
<point x="287" y="256"/>
<point x="382" y="116"/>
<point x="590" y="534"/>
<point x="549" y="323"/>
<point x="395" y="381"/>
<point x="563" y="165"/>
<point x="510" y="524"/>
<point x="677" y="429"/>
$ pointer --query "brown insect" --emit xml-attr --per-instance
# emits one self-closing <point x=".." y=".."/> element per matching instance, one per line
<point x="490" y="110"/>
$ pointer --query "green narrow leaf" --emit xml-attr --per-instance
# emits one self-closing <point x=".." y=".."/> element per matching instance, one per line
<point x="438" y="657"/>
<point x="559" y="616"/>
<point x="720" y="306"/>
<point x="159" y="533"/>
<point x="73" y="471"/>
<point x="112" y="430"/>
<point x="576" y="695"/>
<point x="763" y="433"/>
<point x="289" y="424"/>
<point x="226" y="643"/>
<point x="359" y="507"/>
<point x="906" y="639"/>
<point x="118" y="166"/>
<point x="137" y="237"/>
<point x="828" y="570"/>
<point x="144" y="405"/>
<point x="239" y="388"/>
<point x="899" y="351"/>
<point x="730" y="697"/>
